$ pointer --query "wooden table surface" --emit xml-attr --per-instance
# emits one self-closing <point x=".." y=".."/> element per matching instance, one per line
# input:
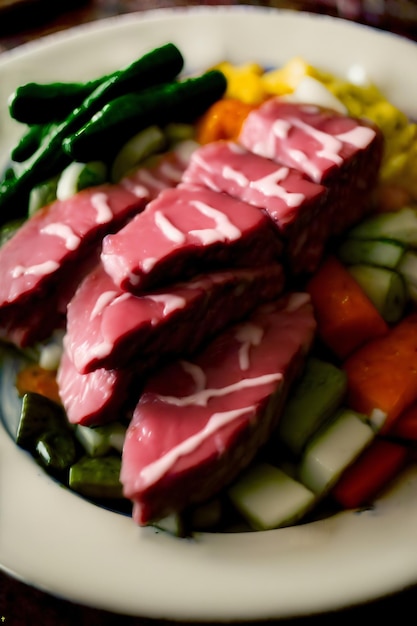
<point x="22" y="21"/>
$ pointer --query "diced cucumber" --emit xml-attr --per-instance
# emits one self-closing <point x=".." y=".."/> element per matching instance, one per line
<point x="42" y="194"/>
<point x="207" y="515"/>
<point x="97" y="477"/>
<point x="56" y="450"/>
<point x="398" y="226"/>
<point x="381" y="253"/>
<point x="78" y="176"/>
<point x="385" y="288"/>
<point x="268" y="498"/>
<point x="332" y="449"/>
<point x="99" y="440"/>
<point x="39" y="415"/>
<point x="139" y="147"/>
<point x="50" y="352"/>
<point x="315" y="398"/>
<point x="177" y="132"/>
<point x="408" y="270"/>
<point x="172" y="524"/>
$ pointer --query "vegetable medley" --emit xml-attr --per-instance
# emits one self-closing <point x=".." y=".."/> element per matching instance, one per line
<point x="349" y="423"/>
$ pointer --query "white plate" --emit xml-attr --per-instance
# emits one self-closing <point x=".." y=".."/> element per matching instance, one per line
<point x="56" y="541"/>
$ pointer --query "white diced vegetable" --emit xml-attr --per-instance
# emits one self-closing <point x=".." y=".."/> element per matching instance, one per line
<point x="332" y="449"/>
<point x="268" y="498"/>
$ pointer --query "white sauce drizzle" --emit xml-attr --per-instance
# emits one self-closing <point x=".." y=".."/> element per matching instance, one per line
<point x="170" y="302"/>
<point x="42" y="269"/>
<point x="224" y="229"/>
<point x="201" y="398"/>
<point x="249" y="335"/>
<point x="197" y="374"/>
<point x="99" y="202"/>
<point x="168" y="229"/>
<point x="296" y="301"/>
<point x="360" y="136"/>
<point x="138" y="190"/>
<point x="72" y="241"/>
<point x="171" y="172"/>
<point x="152" y="472"/>
<point x="269" y="186"/>
<point x="102" y="302"/>
<point x="147" y="178"/>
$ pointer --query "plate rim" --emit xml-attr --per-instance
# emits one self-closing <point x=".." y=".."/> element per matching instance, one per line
<point x="208" y="546"/>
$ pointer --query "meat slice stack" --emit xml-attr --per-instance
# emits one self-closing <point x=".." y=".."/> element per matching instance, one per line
<point x="312" y="170"/>
<point x="184" y="232"/>
<point x="298" y="208"/>
<point x="44" y="261"/>
<point x="114" y="339"/>
<point x="55" y="248"/>
<point x="200" y="421"/>
<point x="342" y="152"/>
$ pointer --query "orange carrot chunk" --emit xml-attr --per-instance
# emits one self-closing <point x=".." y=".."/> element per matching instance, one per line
<point x="34" y="378"/>
<point x="382" y="374"/>
<point x="370" y="473"/>
<point x="346" y="317"/>
<point x="405" y="427"/>
<point x="223" y="120"/>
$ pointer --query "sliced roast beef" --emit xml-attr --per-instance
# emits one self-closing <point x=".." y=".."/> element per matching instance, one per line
<point x="94" y="398"/>
<point x="339" y="151"/>
<point x="199" y="422"/>
<point x="107" y="327"/>
<point x="164" y="171"/>
<point x="184" y="232"/>
<point x="299" y="208"/>
<point x="56" y="236"/>
<point x="27" y="325"/>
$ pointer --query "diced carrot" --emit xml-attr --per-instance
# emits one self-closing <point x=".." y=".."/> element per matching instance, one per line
<point x="223" y="120"/>
<point x="39" y="380"/>
<point x="382" y="374"/>
<point x="405" y="427"/>
<point x="370" y="473"/>
<point x="346" y="318"/>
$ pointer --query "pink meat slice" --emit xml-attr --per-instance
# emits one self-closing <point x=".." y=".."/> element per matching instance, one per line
<point x="108" y="327"/>
<point x="165" y="172"/>
<point x="58" y="235"/>
<point x="184" y="232"/>
<point x="199" y="422"/>
<point x="299" y="208"/>
<point x="94" y="398"/>
<point x="26" y="325"/>
<point x="339" y="151"/>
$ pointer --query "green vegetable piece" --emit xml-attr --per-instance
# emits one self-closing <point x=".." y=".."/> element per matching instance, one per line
<point x="30" y="142"/>
<point x="385" y="288"/>
<point x="314" y="399"/>
<point x="117" y="121"/>
<point x="99" y="440"/>
<point x="139" y="147"/>
<point x="35" y="103"/>
<point x="398" y="226"/>
<point x="8" y="230"/>
<point x="42" y="194"/>
<point x="49" y="160"/>
<point x="372" y="252"/>
<point x="97" y="477"/>
<point x="38" y="104"/>
<point x="78" y="176"/>
<point x="39" y="415"/>
<point x="268" y="498"/>
<point x="408" y="270"/>
<point x="56" y="450"/>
